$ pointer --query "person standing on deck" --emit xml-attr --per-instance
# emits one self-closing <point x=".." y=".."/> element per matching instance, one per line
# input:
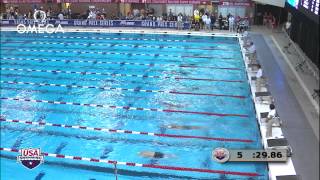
<point x="270" y="120"/>
<point x="231" y="23"/>
<point x="213" y="20"/>
<point x="180" y="22"/>
<point x="259" y="77"/>
<point x="220" y="21"/>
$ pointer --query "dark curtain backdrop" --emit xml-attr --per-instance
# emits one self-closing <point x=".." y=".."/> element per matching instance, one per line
<point x="305" y="32"/>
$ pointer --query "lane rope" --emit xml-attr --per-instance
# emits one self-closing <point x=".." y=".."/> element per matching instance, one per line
<point x="123" y="45"/>
<point x="174" y="168"/>
<point x="126" y="107"/>
<point x="137" y="39"/>
<point x="125" y="131"/>
<point x="122" y="89"/>
<point x="121" y="75"/>
<point x="116" y="53"/>
<point x="120" y="63"/>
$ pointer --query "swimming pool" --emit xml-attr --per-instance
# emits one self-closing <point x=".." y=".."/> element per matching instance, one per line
<point x="77" y="87"/>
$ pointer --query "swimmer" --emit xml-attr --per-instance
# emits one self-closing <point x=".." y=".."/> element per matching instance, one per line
<point x="172" y="105"/>
<point x="174" y="126"/>
<point x="152" y="154"/>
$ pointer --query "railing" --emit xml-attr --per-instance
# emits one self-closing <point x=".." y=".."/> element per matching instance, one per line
<point x="303" y="60"/>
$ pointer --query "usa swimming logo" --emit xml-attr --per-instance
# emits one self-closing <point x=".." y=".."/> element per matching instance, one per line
<point x="221" y="155"/>
<point x="30" y="158"/>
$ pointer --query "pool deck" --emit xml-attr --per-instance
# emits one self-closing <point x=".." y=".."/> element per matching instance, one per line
<point x="292" y="98"/>
<point x="297" y="111"/>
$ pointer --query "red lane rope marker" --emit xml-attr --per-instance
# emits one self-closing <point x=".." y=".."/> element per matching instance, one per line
<point x="119" y="75"/>
<point x="126" y="107"/>
<point x="174" y="168"/>
<point x="122" y="89"/>
<point x="126" y="131"/>
<point x="123" y="63"/>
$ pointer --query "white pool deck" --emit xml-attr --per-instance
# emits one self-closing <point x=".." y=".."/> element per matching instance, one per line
<point x="275" y="169"/>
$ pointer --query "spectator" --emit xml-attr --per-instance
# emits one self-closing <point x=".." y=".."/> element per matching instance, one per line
<point x="16" y="13"/>
<point x="237" y="20"/>
<point x="135" y="12"/>
<point x="142" y="14"/>
<point x="7" y="16"/>
<point x="201" y="22"/>
<point x="11" y="13"/>
<point x="269" y="20"/>
<point x="48" y="13"/>
<point x="246" y="24"/>
<point x="220" y="21"/>
<point x="208" y="23"/>
<point x="265" y="19"/>
<point x="170" y="15"/>
<point x="288" y="27"/>
<point x="204" y="19"/>
<point x="196" y="19"/>
<point x="184" y="17"/>
<point x="231" y="23"/>
<point x="228" y="15"/>
<point x="180" y="22"/>
<point x="213" y="20"/>
<point x="60" y="16"/>
<point x="30" y="14"/>
<point x="69" y="13"/>
<point x="273" y="22"/>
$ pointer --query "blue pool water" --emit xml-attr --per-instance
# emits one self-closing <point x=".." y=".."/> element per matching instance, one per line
<point x="189" y="80"/>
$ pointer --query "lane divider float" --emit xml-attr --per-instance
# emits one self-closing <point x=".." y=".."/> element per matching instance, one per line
<point x="126" y="107"/>
<point x="121" y="63"/>
<point x="117" y="53"/>
<point x="121" y="75"/>
<point x="126" y="131"/>
<point x="122" y="89"/>
<point x="123" y="45"/>
<point x="137" y="39"/>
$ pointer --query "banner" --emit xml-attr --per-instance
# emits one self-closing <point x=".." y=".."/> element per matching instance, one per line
<point x="235" y="3"/>
<point x="21" y="1"/>
<point x="102" y="23"/>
